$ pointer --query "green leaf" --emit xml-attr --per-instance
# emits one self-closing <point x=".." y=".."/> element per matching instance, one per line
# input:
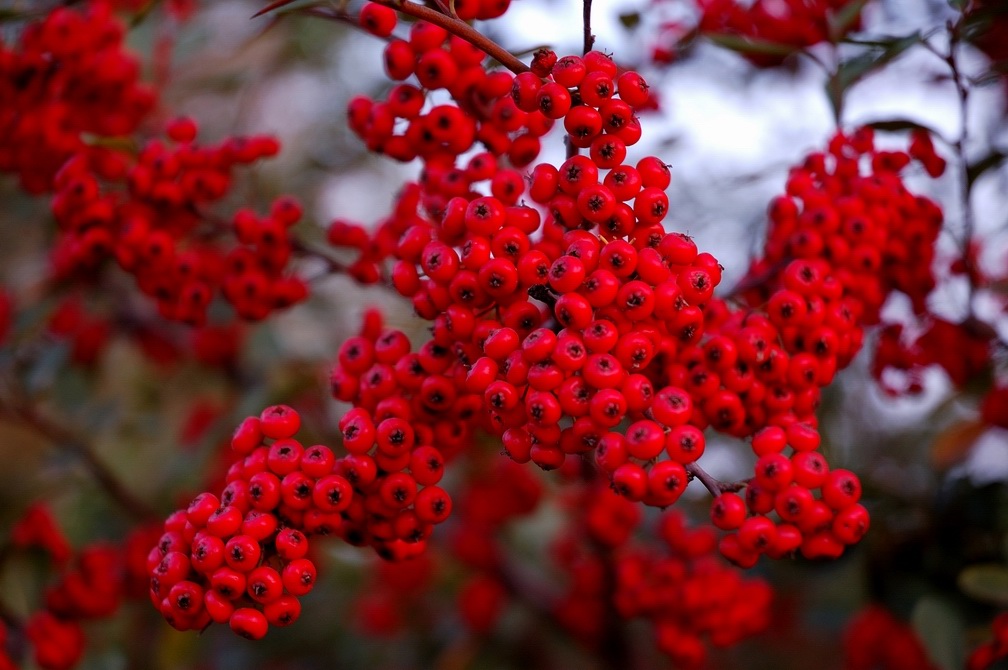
<point x="898" y="125"/>
<point x="987" y="582"/>
<point x="940" y="627"/>
<point x="857" y="68"/>
<point x="630" y="20"/>
<point x="747" y="45"/>
<point x="988" y="162"/>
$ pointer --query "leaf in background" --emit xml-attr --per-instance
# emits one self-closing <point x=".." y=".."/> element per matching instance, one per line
<point x="839" y="22"/>
<point x="988" y="582"/>
<point x="630" y="20"/>
<point x="952" y="445"/>
<point x="991" y="160"/>
<point x="855" y="69"/>
<point x="897" y="125"/>
<point x="940" y="627"/>
<point x="747" y="45"/>
<point x="273" y="5"/>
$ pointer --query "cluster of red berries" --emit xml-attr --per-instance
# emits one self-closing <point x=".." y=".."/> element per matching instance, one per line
<point x="72" y="99"/>
<point x="682" y="588"/>
<point x="37" y="529"/>
<point x="496" y="494"/>
<point x="241" y="558"/>
<point x="628" y="329"/>
<point x="989" y="653"/>
<point x="690" y="596"/>
<point x="404" y="127"/>
<point x="68" y="80"/>
<point x="568" y="334"/>
<point x="962" y="350"/>
<point x="408" y="418"/>
<point x="793" y="24"/>
<point x="849" y="209"/>
<point x="152" y="224"/>
<point x="877" y="640"/>
<point x="92" y="584"/>
<point x="780" y="512"/>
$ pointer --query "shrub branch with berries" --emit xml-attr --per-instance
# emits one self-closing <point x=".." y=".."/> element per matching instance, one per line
<point x="565" y="328"/>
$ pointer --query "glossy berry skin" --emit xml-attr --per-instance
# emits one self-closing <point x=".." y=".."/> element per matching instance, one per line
<point x="249" y="623"/>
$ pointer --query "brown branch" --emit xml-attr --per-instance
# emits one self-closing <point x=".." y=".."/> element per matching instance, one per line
<point x="959" y="146"/>
<point x="713" y="484"/>
<point x="459" y="29"/>
<point x="571" y="150"/>
<point x="339" y="16"/>
<point x="589" y="38"/>
<point x="67" y="440"/>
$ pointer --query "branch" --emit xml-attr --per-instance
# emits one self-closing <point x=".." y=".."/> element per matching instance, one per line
<point x="712" y="484"/>
<point x="959" y="146"/>
<point x="459" y="29"/>
<point x="75" y="444"/>
<point x="337" y="15"/>
<point x="589" y="39"/>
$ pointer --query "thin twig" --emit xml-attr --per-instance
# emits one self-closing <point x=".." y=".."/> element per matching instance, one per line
<point x="66" y="439"/>
<point x="339" y="16"/>
<point x="569" y="147"/>
<point x="959" y="147"/>
<point x="459" y="29"/>
<point x="589" y="38"/>
<point x="713" y="484"/>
